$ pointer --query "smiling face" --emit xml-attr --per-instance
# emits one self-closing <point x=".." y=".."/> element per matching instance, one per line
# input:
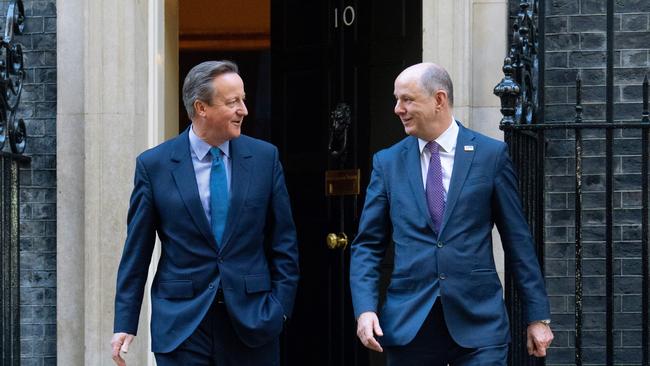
<point x="425" y="114"/>
<point x="221" y="119"/>
<point x="414" y="107"/>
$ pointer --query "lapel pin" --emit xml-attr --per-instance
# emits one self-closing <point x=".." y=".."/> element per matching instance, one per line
<point x="469" y="148"/>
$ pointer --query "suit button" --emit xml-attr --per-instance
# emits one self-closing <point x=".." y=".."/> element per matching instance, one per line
<point x="211" y="286"/>
<point x="220" y="260"/>
<point x="442" y="276"/>
<point x="440" y="244"/>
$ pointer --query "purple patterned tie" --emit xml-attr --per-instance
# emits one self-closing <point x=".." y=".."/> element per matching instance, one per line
<point x="435" y="191"/>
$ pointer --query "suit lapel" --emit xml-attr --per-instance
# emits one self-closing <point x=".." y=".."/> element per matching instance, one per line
<point x="185" y="179"/>
<point x="462" y="162"/>
<point x="411" y="156"/>
<point x="240" y="167"/>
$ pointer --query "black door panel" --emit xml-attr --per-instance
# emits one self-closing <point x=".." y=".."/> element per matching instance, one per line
<point x="324" y="53"/>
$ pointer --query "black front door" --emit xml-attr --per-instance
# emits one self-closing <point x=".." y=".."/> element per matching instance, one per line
<point x="333" y="60"/>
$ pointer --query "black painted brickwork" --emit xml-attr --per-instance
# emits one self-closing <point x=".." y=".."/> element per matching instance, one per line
<point x="38" y="185"/>
<point x="576" y="43"/>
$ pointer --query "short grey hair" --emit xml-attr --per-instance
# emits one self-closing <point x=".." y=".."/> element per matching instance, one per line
<point x="436" y="78"/>
<point x="198" y="82"/>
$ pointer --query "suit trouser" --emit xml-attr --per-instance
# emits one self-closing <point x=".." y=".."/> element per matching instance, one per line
<point x="433" y="346"/>
<point x="215" y="343"/>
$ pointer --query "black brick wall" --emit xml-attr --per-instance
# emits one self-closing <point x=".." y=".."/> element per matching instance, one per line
<point x="576" y="44"/>
<point x="38" y="185"/>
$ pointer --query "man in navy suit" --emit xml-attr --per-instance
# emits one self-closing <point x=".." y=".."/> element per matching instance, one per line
<point x="437" y="194"/>
<point x="227" y="276"/>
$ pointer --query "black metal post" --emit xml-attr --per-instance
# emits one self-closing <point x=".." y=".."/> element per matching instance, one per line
<point x="541" y="30"/>
<point x="609" y="189"/>
<point x="578" y="226"/>
<point x="645" y="291"/>
<point x="10" y="260"/>
<point x="539" y="214"/>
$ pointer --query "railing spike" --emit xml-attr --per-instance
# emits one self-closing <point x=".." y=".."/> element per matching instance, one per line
<point x="578" y="118"/>
<point x="645" y="115"/>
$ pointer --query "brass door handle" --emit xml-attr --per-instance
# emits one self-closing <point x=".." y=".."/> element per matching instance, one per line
<point x="335" y="241"/>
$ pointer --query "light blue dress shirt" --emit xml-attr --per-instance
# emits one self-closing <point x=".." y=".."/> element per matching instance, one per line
<point x="202" y="161"/>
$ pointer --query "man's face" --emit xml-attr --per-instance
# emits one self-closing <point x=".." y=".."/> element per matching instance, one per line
<point x="414" y="106"/>
<point x="226" y="112"/>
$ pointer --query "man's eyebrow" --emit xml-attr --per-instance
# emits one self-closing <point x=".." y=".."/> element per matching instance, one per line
<point x="405" y="95"/>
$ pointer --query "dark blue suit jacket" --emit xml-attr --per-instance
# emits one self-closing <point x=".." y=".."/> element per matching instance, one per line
<point x="257" y="262"/>
<point x="459" y="262"/>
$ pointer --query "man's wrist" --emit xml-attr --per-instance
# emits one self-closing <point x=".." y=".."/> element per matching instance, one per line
<point x="546" y="322"/>
<point x="366" y="312"/>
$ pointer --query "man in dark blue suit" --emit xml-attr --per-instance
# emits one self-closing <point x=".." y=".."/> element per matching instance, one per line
<point x="437" y="195"/>
<point x="227" y="275"/>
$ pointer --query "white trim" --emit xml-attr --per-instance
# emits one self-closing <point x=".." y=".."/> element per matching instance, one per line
<point x="162" y="112"/>
<point x="154" y="131"/>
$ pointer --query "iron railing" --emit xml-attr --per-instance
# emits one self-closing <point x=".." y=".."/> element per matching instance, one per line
<point x="527" y="146"/>
<point x="529" y="142"/>
<point x="521" y="95"/>
<point x="10" y="259"/>
<point x="12" y="74"/>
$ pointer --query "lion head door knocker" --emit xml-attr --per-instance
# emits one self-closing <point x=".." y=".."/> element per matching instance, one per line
<point x="341" y="119"/>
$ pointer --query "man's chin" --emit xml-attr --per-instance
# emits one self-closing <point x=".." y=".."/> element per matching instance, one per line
<point x="235" y="133"/>
<point x="409" y="131"/>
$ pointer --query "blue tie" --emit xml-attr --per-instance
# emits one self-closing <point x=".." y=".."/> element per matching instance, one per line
<point x="218" y="195"/>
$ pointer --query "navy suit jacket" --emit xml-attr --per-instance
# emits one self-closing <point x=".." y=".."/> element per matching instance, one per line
<point x="257" y="262"/>
<point x="459" y="261"/>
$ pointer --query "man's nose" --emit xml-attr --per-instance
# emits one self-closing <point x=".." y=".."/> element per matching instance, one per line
<point x="243" y="110"/>
<point x="398" y="108"/>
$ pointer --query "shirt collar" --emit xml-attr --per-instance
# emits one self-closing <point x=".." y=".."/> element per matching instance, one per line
<point x="447" y="140"/>
<point x="202" y="148"/>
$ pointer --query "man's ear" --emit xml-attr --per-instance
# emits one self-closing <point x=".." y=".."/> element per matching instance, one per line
<point x="441" y="97"/>
<point x="199" y="107"/>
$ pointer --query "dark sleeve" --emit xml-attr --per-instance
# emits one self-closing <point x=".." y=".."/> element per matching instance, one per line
<point x="138" y="247"/>
<point x="283" y="245"/>
<point x="368" y="247"/>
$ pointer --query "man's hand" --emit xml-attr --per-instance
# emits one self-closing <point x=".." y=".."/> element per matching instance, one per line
<point x="120" y="343"/>
<point x="367" y="328"/>
<point x="539" y="339"/>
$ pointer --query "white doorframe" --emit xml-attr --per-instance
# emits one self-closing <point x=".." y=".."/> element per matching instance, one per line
<point x="163" y="99"/>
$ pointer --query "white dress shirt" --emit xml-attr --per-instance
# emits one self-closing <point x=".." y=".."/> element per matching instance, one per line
<point x="202" y="161"/>
<point x="447" y="141"/>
